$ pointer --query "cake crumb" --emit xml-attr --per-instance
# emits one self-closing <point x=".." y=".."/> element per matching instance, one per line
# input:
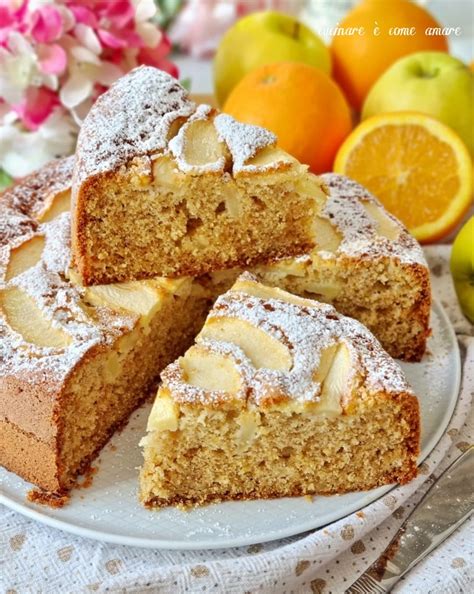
<point x="54" y="500"/>
<point x="87" y="478"/>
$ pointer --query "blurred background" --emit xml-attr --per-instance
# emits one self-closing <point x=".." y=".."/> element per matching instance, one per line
<point x="197" y="41"/>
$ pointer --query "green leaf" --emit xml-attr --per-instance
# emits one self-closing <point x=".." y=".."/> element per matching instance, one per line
<point x="168" y="9"/>
<point x="186" y="83"/>
<point x="5" y="179"/>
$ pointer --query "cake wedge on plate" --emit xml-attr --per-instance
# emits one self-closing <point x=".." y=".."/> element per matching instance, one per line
<point x="279" y="396"/>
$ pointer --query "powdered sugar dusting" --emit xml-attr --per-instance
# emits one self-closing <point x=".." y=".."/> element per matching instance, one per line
<point x="132" y="118"/>
<point x="29" y="195"/>
<point x="57" y="253"/>
<point x="14" y="224"/>
<point x="21" y="202"/>
<point x="306" y="330"/>
<point x="59" y="301"/>
<point x="344" y="209"/>
<point x="243" y="140"/>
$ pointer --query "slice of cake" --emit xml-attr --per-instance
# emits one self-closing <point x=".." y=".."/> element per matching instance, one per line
<point x="367" y="265"/>
<point x="74" y="362"/>
<point x="279" y="396"/>
<point x="165" y="187"/>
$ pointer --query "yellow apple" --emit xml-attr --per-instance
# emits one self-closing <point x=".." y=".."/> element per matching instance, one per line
<point x="462" y="268"/>
<point x="261" y="38"/>
<point x="434" y="83"/>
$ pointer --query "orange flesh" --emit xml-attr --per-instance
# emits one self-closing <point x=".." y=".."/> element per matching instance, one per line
<point x="397" y="162"/>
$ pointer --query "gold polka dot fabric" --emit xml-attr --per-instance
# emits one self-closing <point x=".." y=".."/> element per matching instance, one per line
<point x="36" y="558"/>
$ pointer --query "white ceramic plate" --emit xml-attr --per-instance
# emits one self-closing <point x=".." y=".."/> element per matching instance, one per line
<point x="109" y="510"/>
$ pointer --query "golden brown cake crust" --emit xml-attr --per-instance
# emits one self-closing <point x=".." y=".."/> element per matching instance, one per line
<point x="28" y="456"/>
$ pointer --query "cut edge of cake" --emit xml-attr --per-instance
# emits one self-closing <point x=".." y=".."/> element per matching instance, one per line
<point x="367" y="265"/>
<point x="144" y="150"/>
<point x="75" y="361"/>
<point x="279" y="396"/>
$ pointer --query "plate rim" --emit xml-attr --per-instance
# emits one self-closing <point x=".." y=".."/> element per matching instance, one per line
<point x="230" y="542"/>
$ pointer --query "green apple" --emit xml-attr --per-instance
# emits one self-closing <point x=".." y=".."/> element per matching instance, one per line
<point x="434" y="83"/>
<point x="462" y="268"/>
<point x="261" y="38"/>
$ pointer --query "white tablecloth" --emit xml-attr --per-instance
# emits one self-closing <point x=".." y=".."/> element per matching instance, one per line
<point x="35" y="558"/>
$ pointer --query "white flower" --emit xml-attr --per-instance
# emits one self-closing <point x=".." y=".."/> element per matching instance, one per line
<point x="19" y="69"/>
<point x="77" y="88"/>
<point x="150" y="34"/>
<point x="88" y="38"/>
<point x="144" y="10"/>
<point x="82" y="78"/>
<point x="22" y="152"/>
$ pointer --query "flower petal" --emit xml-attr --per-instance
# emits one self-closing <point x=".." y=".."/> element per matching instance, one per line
<point x="150" y="34"/>
<point x="88" y="38"/>
<point x="84" y="15"/>
<point x="24" y="152"/>
<point x="6" y="17"/>
<point x="36" y="106"/>
<point x="119" y="13"/>
<point x="108" y="73"/>
<point x="82" y="54"/>
<point x="50" y="81"/>
<point x="76" y="89"/>
<point x="18" y="44"/>
<point x="17" y="73"/>
<point x="144" y="10"/>
<point x="110" y="40"/>
<point x="47" y="24"/>
<point x="52" y="59"/>
<point x="68" y="18"/>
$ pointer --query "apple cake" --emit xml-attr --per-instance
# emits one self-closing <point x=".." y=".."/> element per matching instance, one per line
<point x="367" y="265"/>
<point x="364" y="262"/>
<point x="279" y="396"/>
<point x="74" y="361"/>
<point x="163" y="187"/>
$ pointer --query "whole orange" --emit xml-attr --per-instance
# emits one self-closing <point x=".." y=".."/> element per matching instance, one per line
<point x="376" y="34"/>
<point x="300" y="104"/>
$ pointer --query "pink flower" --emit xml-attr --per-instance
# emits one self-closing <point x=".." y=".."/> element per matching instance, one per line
<point x="46" y="24"/>
<point x="200" y="25"/>
<point x="83" y="15"/>
<point x="52" y="59"/>
<point x="119" y="39"/>
<point x="157" y="57"/>
<point x="119" y="13"/>
<point x="56" y="58"/>
<point x="12" y="19"/>
<point x="37" y="105"/>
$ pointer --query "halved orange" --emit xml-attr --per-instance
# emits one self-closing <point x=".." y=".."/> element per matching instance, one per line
<point x="416" y="166"/>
